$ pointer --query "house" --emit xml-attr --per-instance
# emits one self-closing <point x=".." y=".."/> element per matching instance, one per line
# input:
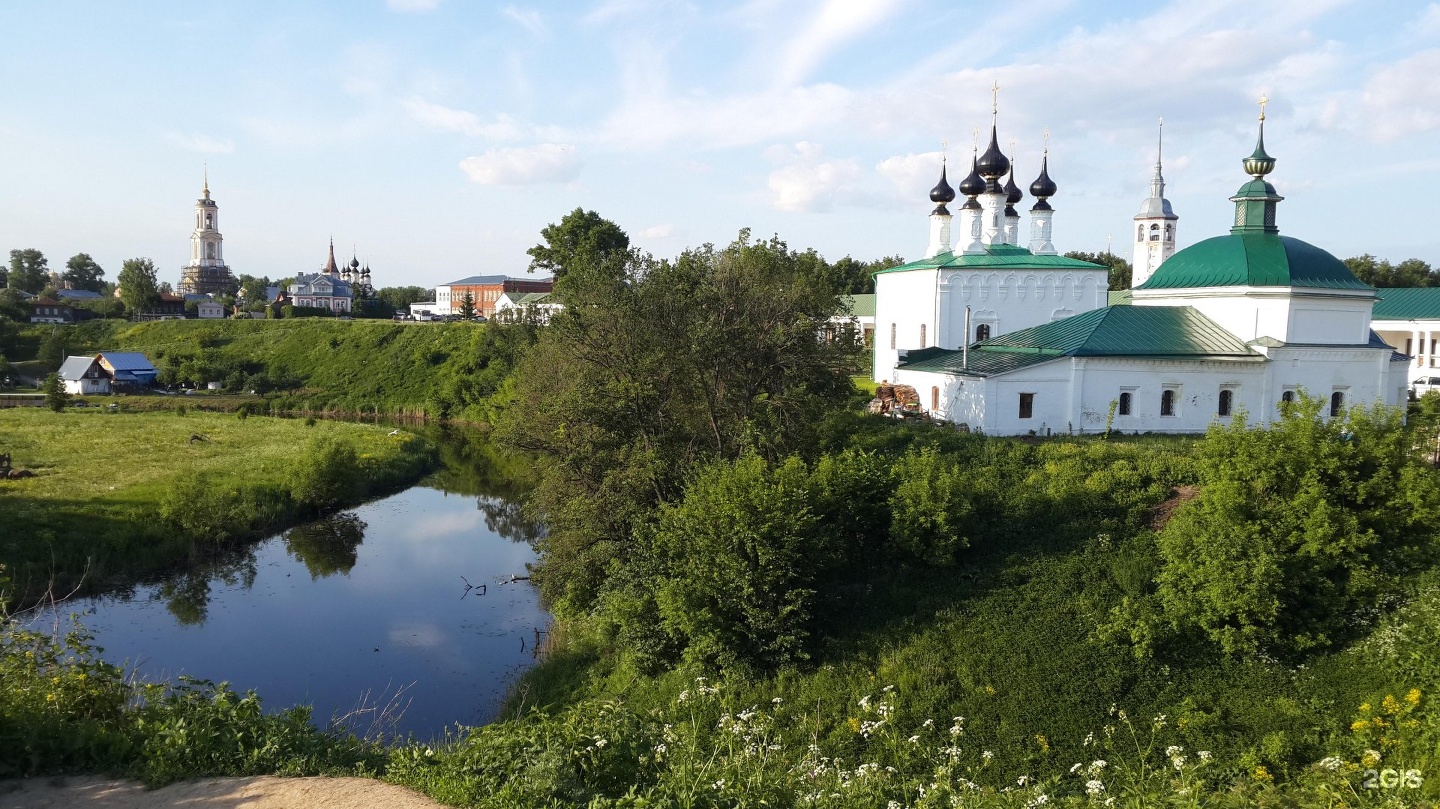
<point x="78" y="295"/>
<point x="84" y="376"/>
<point x="861" y="316"/>
<point x="1238" y="322"/>
<point x="484" y="291"/>
<point x="127" y="368"/>
<point x="1409" y="320"/>
<point x="328" y="289"/>
<point x="49" y="310"/>
<point x="209" y="310"/>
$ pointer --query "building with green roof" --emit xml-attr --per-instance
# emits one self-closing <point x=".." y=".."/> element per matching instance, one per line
<point x="1237" y="322"/>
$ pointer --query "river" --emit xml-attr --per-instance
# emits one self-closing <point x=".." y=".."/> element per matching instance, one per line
<point x="401" y="609"/>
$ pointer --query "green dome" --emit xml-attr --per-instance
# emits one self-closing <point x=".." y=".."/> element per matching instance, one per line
<point x="1254" y="259"/>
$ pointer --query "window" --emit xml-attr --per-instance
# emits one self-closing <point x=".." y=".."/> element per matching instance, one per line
<point x="1337" y="402"/>
<point x="892" y="335"/>
<point x="1167" y="402"/>
<point x="922" y="335"/>
<point x="1124" y="408"/>
<point x="1154" y="233"/>
<point x="935" y="398"/>
<point x="1288" y="396"/>
<point x="1027" y="405"/>
<point x="1227" y="402"/>
<point x="982" y="332"/>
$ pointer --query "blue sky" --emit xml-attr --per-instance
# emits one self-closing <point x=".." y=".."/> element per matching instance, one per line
<point x="437" y="137"/>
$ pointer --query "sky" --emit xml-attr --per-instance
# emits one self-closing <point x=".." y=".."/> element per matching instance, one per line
<point x="435" y="138"/>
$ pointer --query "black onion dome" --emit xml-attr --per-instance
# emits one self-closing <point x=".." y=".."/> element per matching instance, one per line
<point x="993" y="164"/>
<point x="942" y="192"/>
<point x="1012" y="191"/>
<point x="973" y="185"/>
<point x="1043" y="185"/>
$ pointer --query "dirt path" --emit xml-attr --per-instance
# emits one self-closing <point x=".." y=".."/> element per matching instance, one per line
<point x="89" y="792"/>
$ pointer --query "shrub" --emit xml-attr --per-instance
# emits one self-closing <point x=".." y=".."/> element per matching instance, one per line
<point x="213" y="508"/>
<point x="55" y="396"/>
<point x="326" y="476"/>
<point x="930" y="508"/>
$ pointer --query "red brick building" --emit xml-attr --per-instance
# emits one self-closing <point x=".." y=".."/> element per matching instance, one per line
<point x="484" y="290"/>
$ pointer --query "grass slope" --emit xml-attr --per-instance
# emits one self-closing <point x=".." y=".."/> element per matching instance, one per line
<point x="101" y="479"/>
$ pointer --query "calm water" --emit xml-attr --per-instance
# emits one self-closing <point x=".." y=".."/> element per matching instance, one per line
<point x="349" y="610"/>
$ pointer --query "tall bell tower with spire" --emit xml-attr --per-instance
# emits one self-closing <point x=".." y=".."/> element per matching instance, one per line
<point x="206" y="273"/>
<point x="1154" y="225"/>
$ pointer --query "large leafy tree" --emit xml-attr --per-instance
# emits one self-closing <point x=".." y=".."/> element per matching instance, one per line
<point x="581" y="236"/>
<point x="856" y="277"/>
<point x="400" y="298"/>
<point x="655" y="366"/>
<point x="1412" y="272"/>
<point x="1120" y="269"/>
<point x="139" y="288"/>
<point x="29" y="270"/>
<point x="81" y="272"/>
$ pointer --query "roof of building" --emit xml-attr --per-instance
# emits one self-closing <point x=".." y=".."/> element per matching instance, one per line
<point x="127" y="360"/>
<point x="996" y="257"/>
<point x="479" y="281"/>
<point x="75" y="367"/>
<point x="78" y="294"/>
<point x="48" y="302"/>
<point x="1411" y="303"/>
<point x="1119" y="297"/>
<point x="525" y="298"/>
<point x="860" y="305"/>
<point x="1253" y="259"/>
<point x="305" y="283"/>
<point x="1175" y="332"/>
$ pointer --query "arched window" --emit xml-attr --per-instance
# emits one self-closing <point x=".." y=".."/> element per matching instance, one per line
<point x="935" y="398"/>
<point x="1287" y="396"/>
<point x="982" y="332"/>
<point x="1167" y="402"/>
<point x="892" y="335"/>
<point x="210" y="250"/>
<point x="1139" y="233"/>
<point x="1337" y="402"/>
<point x="1154" y="233"/>
<point x="922" y="335"/>
<point x="1124" y="408"/>
<point x="1227" y="401"/>
<point x="209" y="221"/>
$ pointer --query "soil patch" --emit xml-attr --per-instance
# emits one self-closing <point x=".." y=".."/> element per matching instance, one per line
<point x="1179" y="496"/>
<point x="266" y="792"/>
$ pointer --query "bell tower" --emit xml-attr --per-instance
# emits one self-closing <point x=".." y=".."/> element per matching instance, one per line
<point x="206" y="273"/>
<point x="1154" y="225"/>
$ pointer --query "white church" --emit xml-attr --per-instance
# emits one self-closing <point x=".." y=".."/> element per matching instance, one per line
<point x="1012" y="341"/>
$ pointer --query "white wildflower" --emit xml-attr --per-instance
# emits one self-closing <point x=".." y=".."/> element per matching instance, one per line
<point x="1076" y="768"/>
<point x="1094" y="787"/>
<point x="987" y="755"/>
<point x="600" y="743"/>
<point x="1331" y="763"/>
<point x="1204" y="755"/>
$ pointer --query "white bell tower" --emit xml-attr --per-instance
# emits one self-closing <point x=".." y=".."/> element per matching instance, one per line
<point x="1154" y="225"/>
<point x="206" y="273"/>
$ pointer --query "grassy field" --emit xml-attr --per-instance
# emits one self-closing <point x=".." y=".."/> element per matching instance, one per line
<point x="102" y="480"/>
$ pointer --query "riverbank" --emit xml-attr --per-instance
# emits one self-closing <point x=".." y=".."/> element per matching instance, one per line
<point x="263" y="792"/>
<point x="117" y="496"/>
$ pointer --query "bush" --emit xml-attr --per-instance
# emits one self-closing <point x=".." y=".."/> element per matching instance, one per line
<point x="930" y="509"/>
<point x="326" y="476"/>
<point x="209" y="508"/>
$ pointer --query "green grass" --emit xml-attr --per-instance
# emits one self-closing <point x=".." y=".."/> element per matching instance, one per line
<point x="93" y="511"/>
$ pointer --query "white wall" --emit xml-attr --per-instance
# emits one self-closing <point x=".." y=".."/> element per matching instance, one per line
<point x="1284" y="313"/>
<point x="904" y="300"/>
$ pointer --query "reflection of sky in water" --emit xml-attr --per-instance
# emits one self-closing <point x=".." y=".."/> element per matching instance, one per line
<point x="396" y="618"/>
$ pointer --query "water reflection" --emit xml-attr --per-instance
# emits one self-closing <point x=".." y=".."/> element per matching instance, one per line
<point x="327" y="546"/>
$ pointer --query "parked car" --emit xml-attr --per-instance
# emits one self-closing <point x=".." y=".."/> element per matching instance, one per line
<point x="1423" y="385"/>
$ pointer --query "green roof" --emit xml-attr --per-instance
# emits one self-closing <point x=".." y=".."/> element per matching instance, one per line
<point x="1253" y="259"/>
<point x="523" y="298"/>
<point x="1418" y="303"/>
<point x="996" y="257"/>
<point x="859" y="305"/>
<point x="1119" y="297"/>
<point x="1177" y="332"/>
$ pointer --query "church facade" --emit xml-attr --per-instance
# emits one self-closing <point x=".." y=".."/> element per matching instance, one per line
<point x="207" y="273"/>
<point x="335" y="287"/>
<point x="1243" y="321"/>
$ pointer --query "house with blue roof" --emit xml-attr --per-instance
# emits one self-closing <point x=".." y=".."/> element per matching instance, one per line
<point x="127" y="368"/>
<point x="1239" y="322"/>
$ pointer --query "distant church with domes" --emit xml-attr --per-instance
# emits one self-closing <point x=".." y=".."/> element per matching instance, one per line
<point x="1012" y="340"/>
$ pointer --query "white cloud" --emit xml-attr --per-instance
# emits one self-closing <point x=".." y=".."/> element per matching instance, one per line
<point x="528" y="165"/>
<point x="657" y="232"/>
<point x="204" y="144"/>
<point x="809" y="183"/>
<point x="447" y="119"/>
<point x="914" y="174"/>
<point x="1403" y="98"/>
<point x="656" y="120"/>
<point x="412" y="6"/>
<point x="838" y="22"/>
<point x="527" y="18"/>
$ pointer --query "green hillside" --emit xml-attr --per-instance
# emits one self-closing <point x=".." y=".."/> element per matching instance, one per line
<point x="432" y="370"/>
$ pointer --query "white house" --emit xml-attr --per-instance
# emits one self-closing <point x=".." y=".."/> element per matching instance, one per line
<point x="516" y="306"/>
<point x="209" y="310"/>
<point x="1409" y="320"/>
<point x="1245" y="320"/>
<point x="84" y="376"/>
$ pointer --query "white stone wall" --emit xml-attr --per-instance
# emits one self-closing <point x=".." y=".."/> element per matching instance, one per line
<point x="904" y="301"/>
<point x="1288" y="314"/>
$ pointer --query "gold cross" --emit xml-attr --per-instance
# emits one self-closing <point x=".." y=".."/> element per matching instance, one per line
<point x="944" y="147"/>
<point x="995" y="98"/>
<point x="975" y="139"/>
<point x="1047" y="140"/>
<point x="1263" y="102"/>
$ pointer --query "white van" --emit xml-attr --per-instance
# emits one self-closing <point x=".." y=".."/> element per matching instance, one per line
<point x="1423" y="385"/>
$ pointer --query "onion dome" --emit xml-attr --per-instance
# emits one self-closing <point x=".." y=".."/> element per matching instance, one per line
<point x="1043" y="187"/>
<point x="1012" y="191"/>
<point x="973" y="186"/>
<point x="993" y="164"/>
<point x="942" y="193"/>
<point x="1259" y="164"/>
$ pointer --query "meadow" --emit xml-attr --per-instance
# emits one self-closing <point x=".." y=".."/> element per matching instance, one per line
<point x="119" y="495"/>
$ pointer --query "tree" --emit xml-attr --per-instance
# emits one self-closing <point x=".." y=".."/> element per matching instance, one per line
<point x="654" y="367"/>
<point x="581" y="236"/>
<point x="81" y="272"/>
<point x="1120" y="270"/>
<point x="1411" y="272"/>
<point x="52" y="351"/>
<point x="55" y="396"/>
<point x="857" y="277"/>
<point x="13" y="306"/>
<point x="138" y="286"/>
<point x="400" y="298"/>
<point x="253" y="292"/>
<point x="467" y="306"/>
<point x="28" y="270"/>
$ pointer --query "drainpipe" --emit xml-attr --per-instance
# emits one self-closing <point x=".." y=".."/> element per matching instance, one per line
<point x="965" y="354"/>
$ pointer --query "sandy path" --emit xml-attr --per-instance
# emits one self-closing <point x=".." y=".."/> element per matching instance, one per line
<point x="89" y="792"/>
